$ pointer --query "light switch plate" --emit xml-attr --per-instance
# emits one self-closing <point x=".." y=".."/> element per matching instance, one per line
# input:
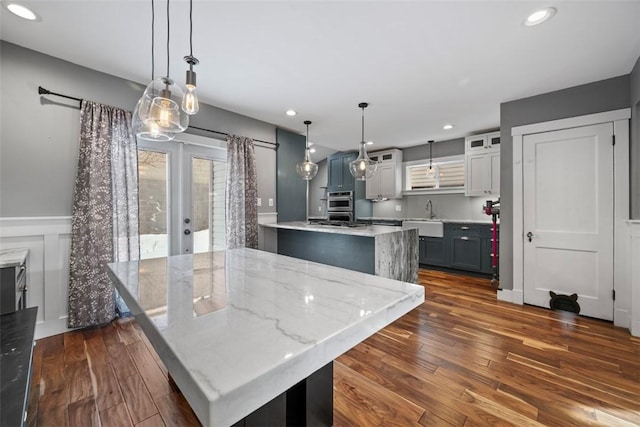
<point x="319" y="208"/>
<point x="398" y="208"/>
<point x="270" y="202"/>
<point x="259" y="201"/>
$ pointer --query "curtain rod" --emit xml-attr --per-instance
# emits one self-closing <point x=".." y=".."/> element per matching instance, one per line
<point x="43" y="91"/>
<point x="226" y="134"/>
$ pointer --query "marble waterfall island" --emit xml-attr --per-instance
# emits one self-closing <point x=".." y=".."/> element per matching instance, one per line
<point x="382" y="250"/>
<point x="250" y="336"/>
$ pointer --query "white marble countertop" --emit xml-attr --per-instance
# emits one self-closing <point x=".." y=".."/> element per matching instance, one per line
<point x="238" y="328"/>
<point x="13" y="257"/>
<point x="365" y="231"/>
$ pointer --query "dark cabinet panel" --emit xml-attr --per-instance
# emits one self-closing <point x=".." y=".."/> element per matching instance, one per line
<point x="432" y="251"/>
<point x="339" y="177"/>
<point x="466" y="252"/>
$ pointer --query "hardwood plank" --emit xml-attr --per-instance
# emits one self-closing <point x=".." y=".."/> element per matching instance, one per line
<point x="176" y="412"/>
<point x="96" y="350"/>
<point x="106" y="389"/>
<point x="83" y="413"/>
<point x="155" y="421"/>
<point x="126" y="330"/>
<point x="360" y="392"/>
<point x="52" y="408"/>
<point x="151" y="374"/>
<point x="74" y="347"/>
<point x="78" y="379"/>
<point x="52" y="378"/>
<point x="137" y="398"/>
<point x="116" y="416"/>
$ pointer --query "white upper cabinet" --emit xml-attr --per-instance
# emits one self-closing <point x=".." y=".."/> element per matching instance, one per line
<point x="482" y="165"/>
<point x="386" y="183"/>
<point x="482" y="143"/>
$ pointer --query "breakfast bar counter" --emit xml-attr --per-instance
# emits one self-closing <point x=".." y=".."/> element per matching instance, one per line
<point x="243" y="330"/>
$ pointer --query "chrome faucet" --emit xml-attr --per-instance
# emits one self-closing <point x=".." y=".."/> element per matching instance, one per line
<point x="429" y="209"/>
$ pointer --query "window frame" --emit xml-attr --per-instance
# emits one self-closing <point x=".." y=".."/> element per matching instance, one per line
<point x="406" y="191"/>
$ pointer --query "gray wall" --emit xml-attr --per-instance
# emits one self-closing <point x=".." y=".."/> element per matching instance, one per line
<point x="318" y="191"/>
<point x="291" y="189"/>
<point x="39" y="135"/>
<point x="604" y="95"/>
<point x="450" y="147"/>
<point x="634" y="94"/>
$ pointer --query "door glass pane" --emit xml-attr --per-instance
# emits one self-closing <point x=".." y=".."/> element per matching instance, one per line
<point x="208" y="207"/>
<point x="153" y="180"/>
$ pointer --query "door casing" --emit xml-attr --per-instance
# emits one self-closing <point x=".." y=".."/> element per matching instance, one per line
<point x="621" y="281"/>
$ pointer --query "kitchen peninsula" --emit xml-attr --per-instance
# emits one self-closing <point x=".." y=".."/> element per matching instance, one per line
<point x="249" y="336"/>
<point x="386" y="251"/>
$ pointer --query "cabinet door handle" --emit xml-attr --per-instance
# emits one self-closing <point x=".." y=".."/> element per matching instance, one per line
<point x="464" y="238"/>
<point x="464" y="228"/>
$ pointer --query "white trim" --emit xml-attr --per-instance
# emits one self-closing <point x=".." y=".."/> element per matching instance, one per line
<point x="633" y="243"/>
<point x="620" y="119"/>
<point x="509" y="295"/>
<point x="203" y="141"/>
<point x="573" y="122"/>
<point x="49" y="242"/>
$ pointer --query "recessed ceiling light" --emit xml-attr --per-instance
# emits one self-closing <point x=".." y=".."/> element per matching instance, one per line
<point x="539" y="16"/>
<point x="22" y="12"/>
<point x="312" y="150"/>
<point x="370" y="143"/>
<point x="447" y="127"/>
<point x="291" y="113"/>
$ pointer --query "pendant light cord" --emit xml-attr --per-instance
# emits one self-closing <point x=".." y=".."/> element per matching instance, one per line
<point x="153" y="24"/>
<point x="168" y="27"/>
<point x="191" y="27"/>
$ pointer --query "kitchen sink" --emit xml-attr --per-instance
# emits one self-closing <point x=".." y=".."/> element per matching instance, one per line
<point x="428" y="228"/>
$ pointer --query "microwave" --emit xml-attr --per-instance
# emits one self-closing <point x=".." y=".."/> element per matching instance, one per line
<point x="340" y="201"/>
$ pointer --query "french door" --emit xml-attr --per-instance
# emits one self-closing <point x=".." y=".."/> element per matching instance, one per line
<point x="182" y="197"/>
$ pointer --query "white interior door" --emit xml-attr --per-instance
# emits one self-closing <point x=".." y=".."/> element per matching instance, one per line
<point x="568" y="185"/>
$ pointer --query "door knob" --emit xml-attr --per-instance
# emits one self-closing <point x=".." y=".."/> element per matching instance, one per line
<point x="187" y="220"/>
<point x="529" y="235"/>
<point x="187" y="232"/>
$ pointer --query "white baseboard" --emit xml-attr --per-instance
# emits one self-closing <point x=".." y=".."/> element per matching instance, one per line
<point x="509" y="295"/>
<point x="622" y="318"/>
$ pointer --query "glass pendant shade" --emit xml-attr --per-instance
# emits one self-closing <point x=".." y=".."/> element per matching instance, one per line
<point x="431" y="172"/>
<point x="363" y="167"/>
<point x="150" y="132"/>
<point x="160" y="106"/>
<point x="307" y="170"/>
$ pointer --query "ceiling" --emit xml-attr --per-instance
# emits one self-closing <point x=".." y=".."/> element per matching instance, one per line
<point x="420" y="64"/>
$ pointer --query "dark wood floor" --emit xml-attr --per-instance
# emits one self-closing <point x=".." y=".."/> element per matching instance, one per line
<point x="460" y="359"/>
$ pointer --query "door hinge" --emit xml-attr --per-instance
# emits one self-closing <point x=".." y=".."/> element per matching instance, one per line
<point x="613" y="294"/>
<point x="613" y="140"/>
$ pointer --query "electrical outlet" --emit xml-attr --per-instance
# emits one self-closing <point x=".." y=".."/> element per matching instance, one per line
<point x="270" y="202"/>
<point x="259" y="201"/>
<point x="398" y="208"/>
<point x="320" y="208"/>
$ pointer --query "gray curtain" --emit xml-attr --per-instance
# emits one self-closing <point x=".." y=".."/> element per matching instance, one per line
<point x="241" y="193"/>
<point x="105" y="211"/>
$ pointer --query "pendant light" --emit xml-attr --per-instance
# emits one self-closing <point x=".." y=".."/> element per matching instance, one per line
<point x="149" y="131"/>
<point x="190" y="104"/>
<point x="160" y="103"/>
<point x="307" y="169"/>
<point x="363" y="167"/>
<point x="431" y="172"/>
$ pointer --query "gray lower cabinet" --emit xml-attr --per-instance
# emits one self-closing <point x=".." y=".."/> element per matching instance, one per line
<point x="432" y="251"/>
<point x="464" y="246"/>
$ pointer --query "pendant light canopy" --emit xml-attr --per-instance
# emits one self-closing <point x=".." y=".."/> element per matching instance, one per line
<point x="363" y="167"/>
<point x="307" y="170"/>
<point x="431" y="172"/>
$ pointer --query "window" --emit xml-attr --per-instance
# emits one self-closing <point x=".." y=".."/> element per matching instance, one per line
<point x="449" y="176"/>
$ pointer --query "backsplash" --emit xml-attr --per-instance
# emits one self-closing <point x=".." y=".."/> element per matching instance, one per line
<point x="445" y="206"/>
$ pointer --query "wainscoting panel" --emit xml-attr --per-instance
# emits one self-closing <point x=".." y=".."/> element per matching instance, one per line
<point x="49" y="242"/>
